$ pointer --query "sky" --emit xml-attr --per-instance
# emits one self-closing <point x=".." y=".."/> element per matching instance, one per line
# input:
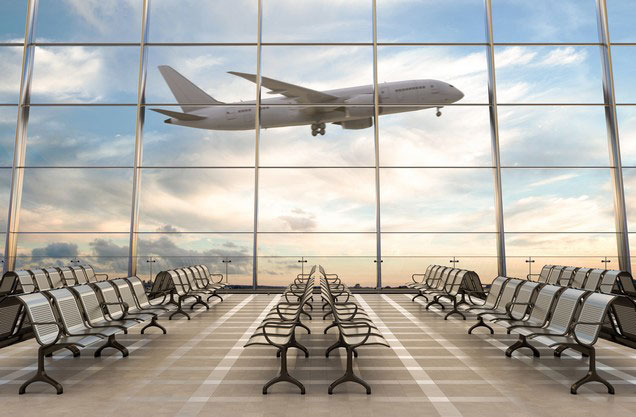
<point x="197" y="195"/>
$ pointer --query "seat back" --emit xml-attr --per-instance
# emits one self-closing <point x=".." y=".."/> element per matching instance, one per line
<point x="109" y="295"/>
<point x="564" y="310"/>
<point x="68" y="276"/>
<point x="89" y="272"/>
<point x="472" y="282"/>
<point x="544" y="303"/>
<point x="55" y="277"/>
<point x="495" y="291"/>
<point x="567" y="275"/>
<point x="90" y="303"/>
<point x="180" y="287"/>
<point x="125" y="293"/>
<point x="41" y="280"/>
<point x="594" y="310"/>
<point x="25" y="278"/>
<point x="200" y="273"/>
<point x="555" y="275"/>
<point x="69" y="310"/>
<point x="579" y="278"/>
<point x="457" y="281"/>
<point x="609" y="281"/>
<point x="194" y="277"/>
<point x="524" y="295"/>
<point x="627" y="284"/>
<point x="593" y="279"/>
<point x="451" y="275"/>
<point x="186" y="276"/>
<point x="139" y="290"/>
<point x="80" y="275"/>
<point x="39" y="310"/>
<point x="509" y="292"/>
<point x="543" y="275"/>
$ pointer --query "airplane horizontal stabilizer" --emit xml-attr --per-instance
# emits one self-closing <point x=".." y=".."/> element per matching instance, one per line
<point x="301" y="94"/>
<point x="186" y="117"/>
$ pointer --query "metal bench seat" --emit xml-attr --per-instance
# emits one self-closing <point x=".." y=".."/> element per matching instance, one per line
<point x="141" y="296"/>
<point x="539" y="310"/>
<point x="510" y="287"/>
<point x="50" y="335"/>
<point x="558" y="324"/>
<point x="518" y="307"/>
<point x="127" y="296"/>
<point x="93" y="310"/>
<point x="415" y="283"/>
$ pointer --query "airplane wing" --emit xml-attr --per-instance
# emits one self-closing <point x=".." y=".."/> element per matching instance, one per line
<point x="179" y="116"/>
<point x="301" y="94"/>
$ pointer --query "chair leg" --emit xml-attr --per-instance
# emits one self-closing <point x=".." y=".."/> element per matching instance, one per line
<point x="111" y="342"/>
<point x="283" y="376"/>
<point x="199" y="301"/>
<point x="41" y="376"/>
<point x="179" y="310"/>
<point x="558" y="351"/>
<point x="434" y="302"/>
<point x="154" y="323"/>
<point x="215" y="295"/>
<point x="332" y="325"/>
<point x="304" y="327"/>
<point x="335" y="346"/>
<point x="305" y="313"/>
<point x="349" y="376"/>
<point x="480" y="323"/>
<point x="420" y="295"/>
<point x="522" y="342"/>
<point x="592" y="375"/>
<point x="455" y="310"/>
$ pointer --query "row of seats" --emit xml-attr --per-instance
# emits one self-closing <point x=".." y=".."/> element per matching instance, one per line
<point x="30" y="280"/>
<point x="83" y="315"/>
<point x="589" y="279"/>
<point x="355" y="327"/>
<point x="278" y="328"/>
<point x="184" y="283"/>
<point x="557" y="316"/>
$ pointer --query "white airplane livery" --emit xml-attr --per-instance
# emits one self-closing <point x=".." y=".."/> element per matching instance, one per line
<point x="351" y="108"/>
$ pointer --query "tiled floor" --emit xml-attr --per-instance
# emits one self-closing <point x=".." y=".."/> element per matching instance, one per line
<point x="433" y="368"/>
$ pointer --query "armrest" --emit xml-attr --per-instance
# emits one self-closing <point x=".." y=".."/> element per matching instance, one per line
<point x="119" y="303"/>
<point x="220" y="276"/>
<point x="59" y="330"/>
<point x="102" y="275"/>
<point x="509" y="308"/>
<point x="366" y="337"/>
<point x="279" y="346"/>
<point x="576" y="323"/>
<point x="417" y="275"/>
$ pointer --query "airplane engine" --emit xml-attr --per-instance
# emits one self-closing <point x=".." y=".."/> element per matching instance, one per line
<point x="357" y="124"/>
<point x="362" y="99"/>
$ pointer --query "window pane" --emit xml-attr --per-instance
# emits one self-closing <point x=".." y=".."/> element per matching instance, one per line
<point x="463" y="67"/>
<point x="8" y="122"/>
<point x="310" y="200"/>
<point x="557" y="200"/>
<point x="544" y="21"/>
<point x="548" y="74"/>
<point x="161" y="251"/>
<point x="12" y="19"/>
<point x="10" y="67"/>
<point x="197" y="200"/>
<point x="621" y="15"/>
<point x="623" y="63"/>
<point x="203" y="21"/>
<point x="627" y="131"/>
<point x="460" y="137"/>
<point x="431" y="21"/>
<point x="538" y="135"/>
<point x="76" y="200"/>
<point x="81" y="136"/>
<point x="348" y="144"/>
<point x="5" y="190"/>
<point x="425" y="200"/>
<point x="204" y="66"/>
<point x="349" y="255"/>
<point x="404" y="254"/>
<point x="580" y="249"/>
<point x="83" y="21"/>
<point x="629" y="182"/>
<point x="322" y="21"/>
<point x="106" y="253"/>
<point x="79" y="74"/>
<point x="168" y="144"/>
<point x="321" y="68"/>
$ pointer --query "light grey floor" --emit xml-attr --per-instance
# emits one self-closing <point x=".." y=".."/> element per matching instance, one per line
<point x="433" y="368"/>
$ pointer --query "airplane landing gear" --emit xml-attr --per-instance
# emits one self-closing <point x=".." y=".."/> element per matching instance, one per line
<point x="439" y="113"/>
<point x="317" y="128"/>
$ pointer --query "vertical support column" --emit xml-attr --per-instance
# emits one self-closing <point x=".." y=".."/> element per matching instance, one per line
<point x="139" y="131"/>
<point x="19" y="150"/>
<point x="376" y="137"/>
<point x="494" y="141"/>
<point x="616" y="167"/>
<point x="257" y="142"/>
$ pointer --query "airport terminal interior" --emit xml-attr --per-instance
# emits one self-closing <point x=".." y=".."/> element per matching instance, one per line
<point x="326" y="207"/>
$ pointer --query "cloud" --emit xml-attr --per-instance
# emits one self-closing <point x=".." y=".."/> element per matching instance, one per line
<point x="552" y="179"/>
<point x="56" y="250"/>
<point x="300" y="220"/>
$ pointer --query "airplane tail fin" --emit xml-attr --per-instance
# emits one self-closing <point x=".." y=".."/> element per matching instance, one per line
<point x="188" y="95"/>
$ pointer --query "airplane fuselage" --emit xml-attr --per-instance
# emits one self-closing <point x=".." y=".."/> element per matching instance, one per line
<point x="352" y="107"/>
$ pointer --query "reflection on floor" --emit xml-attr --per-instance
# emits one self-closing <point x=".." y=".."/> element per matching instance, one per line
<point x="434" y="368"/>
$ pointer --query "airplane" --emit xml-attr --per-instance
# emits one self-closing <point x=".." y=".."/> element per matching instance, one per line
<point x="351" y="108"/>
